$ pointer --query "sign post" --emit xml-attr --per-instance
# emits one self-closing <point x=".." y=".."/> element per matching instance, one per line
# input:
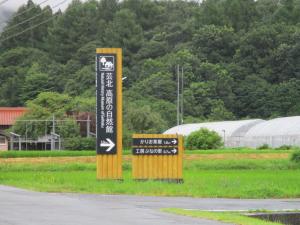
<point x="109" y="113"/>
<point x="157" y="157"/>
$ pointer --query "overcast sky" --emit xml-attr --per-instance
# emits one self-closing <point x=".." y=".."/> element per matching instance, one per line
<point x="8" y="6"/>
<point x="15" y="4"/>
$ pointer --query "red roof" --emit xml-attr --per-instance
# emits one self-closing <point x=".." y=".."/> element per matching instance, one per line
<point x="8" y="115"/>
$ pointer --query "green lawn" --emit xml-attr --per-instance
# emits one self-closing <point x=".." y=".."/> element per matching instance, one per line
<point x="214" y="178"/>
<point x="227" y="217"/>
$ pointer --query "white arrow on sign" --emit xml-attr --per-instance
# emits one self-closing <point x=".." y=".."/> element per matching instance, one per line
<point x="174" y="141"/>
<point x="108" y="143"/>
<point x="174" y="150"/>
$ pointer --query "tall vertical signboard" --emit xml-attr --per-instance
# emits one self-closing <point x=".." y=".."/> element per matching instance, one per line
<point x="109" y="112"/>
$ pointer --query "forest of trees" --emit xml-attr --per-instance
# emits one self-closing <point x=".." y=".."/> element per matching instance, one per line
<point x="241" y="59"/>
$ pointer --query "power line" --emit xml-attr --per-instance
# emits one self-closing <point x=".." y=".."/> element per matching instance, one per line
<point x="31" y="18"/>
<point x="25" y="11"/>
<point x="30" y="28"/>
<point x="34" y="26"/>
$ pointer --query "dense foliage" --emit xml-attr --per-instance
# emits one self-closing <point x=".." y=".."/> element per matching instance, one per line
<point x="82" y="143"/>
<point x="296" y="157"/>
<point x="203" y="139"/>
<point x="240" y="58"/>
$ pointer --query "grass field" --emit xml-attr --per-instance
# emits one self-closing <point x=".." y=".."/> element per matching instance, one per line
<point x="24" y="154"/>
<point x="19" y="154"/>
<point x="232" y="178"/>
<point x="227" y="217"/>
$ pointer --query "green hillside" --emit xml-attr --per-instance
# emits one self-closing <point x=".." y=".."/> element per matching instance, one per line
<point x="241" y="59"/>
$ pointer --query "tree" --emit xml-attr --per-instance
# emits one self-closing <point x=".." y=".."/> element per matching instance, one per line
<point x="124" y="32"/>
<point x="159" y="85"/>
<point x="44" y="107"/>
<point x="83" y="25"/>
<point x="219" y="112"/>
<point x="215" y="44"/>
<point x="84" y="79"/>
<point x="144" y="120"/>
<point x="35" y="82"/>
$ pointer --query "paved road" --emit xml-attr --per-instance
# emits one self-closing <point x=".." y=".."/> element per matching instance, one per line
<point x="21" y="207"/>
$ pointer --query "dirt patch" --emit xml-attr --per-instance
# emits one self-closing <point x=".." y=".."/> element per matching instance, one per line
<point x="80" y="159"/>
<point x="238" y="156"/>
<point x="92" y="159"/>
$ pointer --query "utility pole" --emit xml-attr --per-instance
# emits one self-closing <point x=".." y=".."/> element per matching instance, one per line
<point x="178" y="99"/>
<point x="53" y="124"/>
<point x="182" y="87"/>
<point x="88" y="126"/>
<point x="52" y="134"/>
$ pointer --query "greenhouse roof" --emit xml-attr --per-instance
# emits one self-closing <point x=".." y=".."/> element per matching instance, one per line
<point x="228" y="128"/>
<point x="277" y="127"/>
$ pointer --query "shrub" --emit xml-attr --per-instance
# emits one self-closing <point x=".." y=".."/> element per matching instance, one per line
<point x="296" y="157"/>
<point x="80" y="143"/>
<point x="203" y="139"/>
<point x="127" y="138"/>
<point x="264" y="146"/>
<point x="285" y="147"/>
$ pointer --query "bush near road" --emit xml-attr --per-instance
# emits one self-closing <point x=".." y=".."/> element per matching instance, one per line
<point x="203" y="139"/>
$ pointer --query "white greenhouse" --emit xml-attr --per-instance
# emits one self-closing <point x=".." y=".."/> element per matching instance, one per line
<point x="250" y="133"/>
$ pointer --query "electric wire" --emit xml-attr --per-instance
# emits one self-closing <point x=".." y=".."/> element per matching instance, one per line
<point x="33" y="17"/>
<point x="25" y="11"/>
<point x="3" y="1"/>
<point x="28" y="29"/>
<point x="34" y="26"/>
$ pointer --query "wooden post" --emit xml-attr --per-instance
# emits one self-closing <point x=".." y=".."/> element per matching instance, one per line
<point x="157" y="157"/>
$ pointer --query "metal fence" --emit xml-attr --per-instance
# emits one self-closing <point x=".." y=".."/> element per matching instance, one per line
<point x="52" y="138"/>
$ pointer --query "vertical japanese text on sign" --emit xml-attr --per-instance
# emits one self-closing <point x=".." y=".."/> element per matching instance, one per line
<point x="106" y="103"/>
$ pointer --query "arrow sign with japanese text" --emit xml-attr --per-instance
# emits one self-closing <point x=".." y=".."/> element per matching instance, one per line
<point x="109" y="113"/>
<point x="155" y="142"/>
<point x="106" y="103"/>
<point x="155" y="151"/>
<point x="155" y="146"/>
<point x="157" y="157"/>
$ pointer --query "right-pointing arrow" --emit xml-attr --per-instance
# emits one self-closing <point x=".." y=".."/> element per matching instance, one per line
<point x="174" y="141"/>
<point x="174" y="150"/>
<point x="108" y="143"/>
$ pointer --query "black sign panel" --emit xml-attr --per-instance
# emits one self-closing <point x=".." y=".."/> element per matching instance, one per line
<point x="106" y="91"/>
<point x="155" y="151"/>
<point x="155" y="142"/>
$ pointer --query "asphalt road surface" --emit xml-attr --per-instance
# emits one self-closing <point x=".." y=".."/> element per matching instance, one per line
<point x="22" y="207"/>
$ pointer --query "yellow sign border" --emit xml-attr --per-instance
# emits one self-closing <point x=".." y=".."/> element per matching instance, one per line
<point x="159" y="167"/>
<point x="110" y="166"/>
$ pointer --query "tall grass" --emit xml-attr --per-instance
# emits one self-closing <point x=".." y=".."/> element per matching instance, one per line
<point x="23" y="154"/>
<point x="220" y="178"/>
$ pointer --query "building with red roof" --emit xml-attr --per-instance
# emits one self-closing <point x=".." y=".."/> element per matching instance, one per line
<point x="8" y="116"/>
